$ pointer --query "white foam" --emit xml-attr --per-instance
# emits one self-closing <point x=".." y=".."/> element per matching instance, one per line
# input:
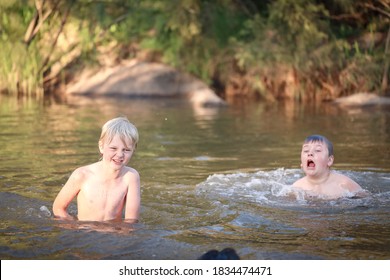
<point x="274" y="188"/>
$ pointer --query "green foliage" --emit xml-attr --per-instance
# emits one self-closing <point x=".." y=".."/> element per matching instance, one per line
<point x="19" y="64"/>
<point x="299" y="24"/>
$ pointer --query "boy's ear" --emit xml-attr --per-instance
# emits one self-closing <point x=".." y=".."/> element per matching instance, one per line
<point x="101" y="147"/>
<point x="330" y="161"/>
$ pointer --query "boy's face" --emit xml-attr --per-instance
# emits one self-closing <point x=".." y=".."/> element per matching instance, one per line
<point x="315" y="159"/>
<point x="117" y="152"/>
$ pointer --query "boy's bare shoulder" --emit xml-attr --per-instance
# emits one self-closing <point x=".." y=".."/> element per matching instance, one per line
<point x="346" y="182"/>
<point x="84" y="171"/>
<point x="131" y="172"/>
<point x="300" y="183"/>
<point x="131" y="177"/>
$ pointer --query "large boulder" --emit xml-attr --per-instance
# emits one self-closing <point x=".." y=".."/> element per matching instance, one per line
<point x="143" y="79"/>
<point x="362" y="99"/>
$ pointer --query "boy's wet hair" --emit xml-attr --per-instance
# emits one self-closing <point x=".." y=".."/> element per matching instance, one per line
<point x="321" y="139"/>
<point x="122" y="127"/>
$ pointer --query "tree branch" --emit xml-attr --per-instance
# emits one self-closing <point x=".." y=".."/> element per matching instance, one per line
<point x="372" y="7"/>
<point x="64" y="19"/>
<point x="37" y="21"/>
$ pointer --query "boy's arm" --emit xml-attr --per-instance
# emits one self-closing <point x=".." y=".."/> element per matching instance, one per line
<point x="66" y="195"/>
<point x="354" y="187"/>
<point x="351" y="185"/>
<point x="133" y="197"/>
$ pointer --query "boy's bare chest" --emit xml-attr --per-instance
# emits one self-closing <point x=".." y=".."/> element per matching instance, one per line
<point x="98" y="189"/>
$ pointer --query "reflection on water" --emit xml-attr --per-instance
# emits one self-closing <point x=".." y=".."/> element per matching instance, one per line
<point x="211" y="178"/>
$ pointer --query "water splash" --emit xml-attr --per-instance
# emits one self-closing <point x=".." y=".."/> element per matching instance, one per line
<point x="274" y="188"/>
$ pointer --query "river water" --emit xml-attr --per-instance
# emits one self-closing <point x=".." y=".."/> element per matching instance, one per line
<point x="210" y="179"/>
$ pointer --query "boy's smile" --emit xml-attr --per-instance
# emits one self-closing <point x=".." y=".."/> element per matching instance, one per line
<point x="117" y="161"/>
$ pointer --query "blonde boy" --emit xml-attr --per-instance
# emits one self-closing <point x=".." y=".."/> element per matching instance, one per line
<point x="107" y="187"/>
<point x="316" y="159"/>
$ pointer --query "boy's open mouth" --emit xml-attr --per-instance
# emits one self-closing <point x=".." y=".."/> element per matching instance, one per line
<point x="310" y="163"/>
